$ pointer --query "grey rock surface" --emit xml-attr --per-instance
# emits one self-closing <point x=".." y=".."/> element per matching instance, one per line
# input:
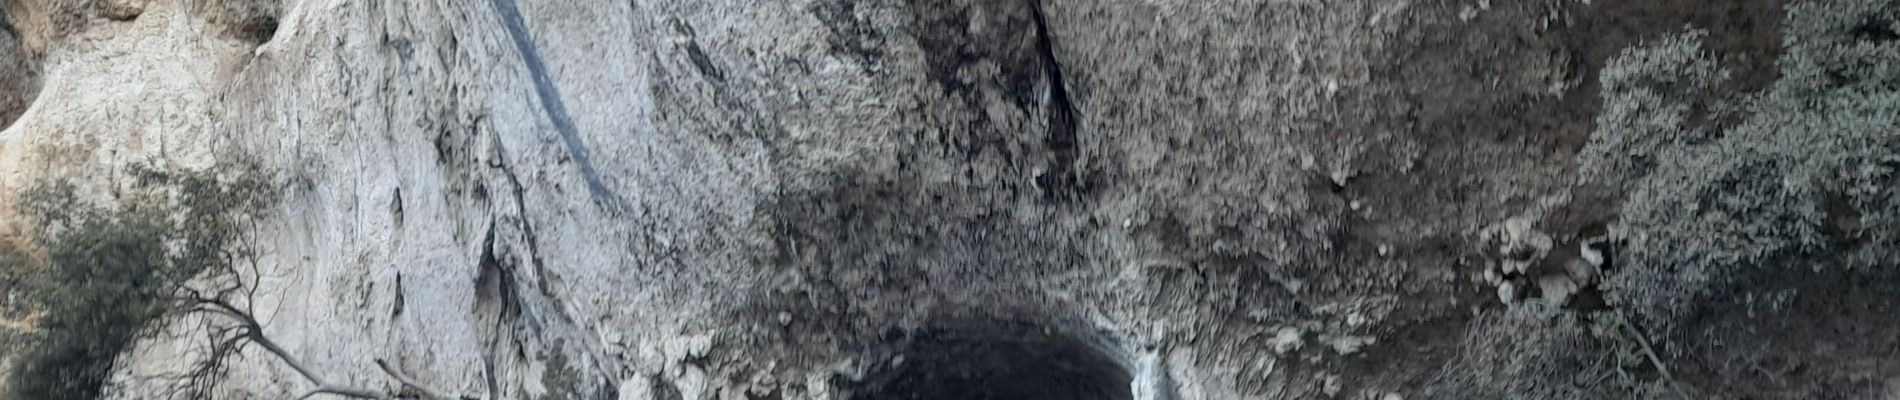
<point x="885" y="199"/>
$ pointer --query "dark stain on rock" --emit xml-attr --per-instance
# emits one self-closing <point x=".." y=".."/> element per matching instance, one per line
<point x="703" y="63"/>
<point x="444" y="145"/>
<point x="855" y="223"/>
<point x="608" y="390"/>
<point x="984" y="52"/>
<point x="404" y="49"/>
<point x="1060" y="180"/>
<point x="868" y="235"/>
<point x="19" y="72"/>
<point x="774" y="394"/>
<point x="694" y="53"/>
<point x="664" y="390"/>
<point x="6" y="24"/>
<point x="551" y="101"/>
<point x="851" y="36"/>
<point x="960" y="34"/>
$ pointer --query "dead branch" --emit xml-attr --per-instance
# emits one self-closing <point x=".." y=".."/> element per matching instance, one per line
<point x="410" y="382"/>
<point x="1643" y="340"/>
<point x="253" y="332"/>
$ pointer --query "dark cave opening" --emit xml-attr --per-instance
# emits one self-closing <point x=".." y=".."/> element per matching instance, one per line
<point x="994" y="361"/>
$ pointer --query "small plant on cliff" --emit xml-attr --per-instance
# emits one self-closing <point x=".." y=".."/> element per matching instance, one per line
<point x="1803" y="178"/>
<point x="104" y="276"/>
<point x="100" y="292"/>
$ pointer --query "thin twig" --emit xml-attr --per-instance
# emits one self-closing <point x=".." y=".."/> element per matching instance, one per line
<point x="254" y="332"/>
<point x="1651" y="353"/>
<point x="345" y="392"/>
<point x="407" y="381"/>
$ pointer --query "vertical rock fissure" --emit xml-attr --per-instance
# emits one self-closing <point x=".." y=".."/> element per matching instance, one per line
<point x="490" y="268"/>
<point x="6" y="24"/>
<point x="508" y="291"/>
<point x="551" y="97"/>
<point x="1060" y="181"/>
<point x="495" y="281"/>
<point x="521" y="211"/>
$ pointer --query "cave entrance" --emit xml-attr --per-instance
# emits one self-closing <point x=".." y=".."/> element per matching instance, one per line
<point x="993" y="361"/>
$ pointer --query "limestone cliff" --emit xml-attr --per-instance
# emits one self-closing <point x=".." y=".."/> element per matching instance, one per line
<point x="870" y="199"/>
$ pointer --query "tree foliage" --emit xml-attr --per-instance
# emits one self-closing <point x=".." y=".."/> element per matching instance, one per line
<point x="1801" y="175"/>
<point x="104" y="276"/>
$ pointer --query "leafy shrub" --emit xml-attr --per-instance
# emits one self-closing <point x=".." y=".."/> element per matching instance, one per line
<point x="109" y="275"/>
<point x="100" y="289"/>
<point x="1805" y="179"/>
<point x="1537" y="351"/>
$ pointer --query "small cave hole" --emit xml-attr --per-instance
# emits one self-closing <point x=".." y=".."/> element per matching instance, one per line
<point x="254" y="21"/>
<point x="259" y="29"/>
<point x="993" y="360"/>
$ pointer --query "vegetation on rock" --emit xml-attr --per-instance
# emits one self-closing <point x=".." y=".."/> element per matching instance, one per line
<point x="1800" y="176"/>
<point x="105" y="276"/>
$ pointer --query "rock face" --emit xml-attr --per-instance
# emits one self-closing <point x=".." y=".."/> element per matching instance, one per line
<point x="973" y="199"/>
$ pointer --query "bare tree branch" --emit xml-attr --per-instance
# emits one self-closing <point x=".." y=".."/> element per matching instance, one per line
<point x="249" y="330"/>
<point x="217" y="272"/>
<point x="345" y="392"/>
<point x="410" y="382"/>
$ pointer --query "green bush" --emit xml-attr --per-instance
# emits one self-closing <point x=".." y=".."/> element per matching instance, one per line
<point x="1521" y="352"/>
<point x="100" y="290"/>
<point x="109" y="275"/>
<point x="1804" y="179"/>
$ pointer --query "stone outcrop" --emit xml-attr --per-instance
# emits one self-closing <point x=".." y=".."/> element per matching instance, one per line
<point x="857" y="199"/>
